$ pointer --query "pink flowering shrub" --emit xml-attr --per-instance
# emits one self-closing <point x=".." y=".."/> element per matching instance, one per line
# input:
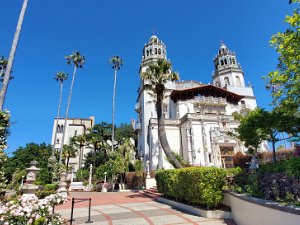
<point x="28" y="209"/>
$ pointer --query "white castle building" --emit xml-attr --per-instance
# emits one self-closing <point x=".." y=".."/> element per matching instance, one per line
<point x="75" y="127"/>
<point x="197" y="116"/>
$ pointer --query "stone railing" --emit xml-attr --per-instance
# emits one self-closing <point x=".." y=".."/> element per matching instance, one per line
<point x="249" y="211"/>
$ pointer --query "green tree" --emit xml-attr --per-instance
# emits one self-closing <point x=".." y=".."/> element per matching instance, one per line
<point x="77" y="60"/>
<point x="69" y="151"/>
<point x="12" y="53"/>
<point x="79" y="142"/>
<point x="24" y="155"/>
<point x="59" y="77"/>
<point x="285" y="80"/>
<point x="158" y="74"/>
<point x="116" y="63"/>
<point x="259" y="125"/>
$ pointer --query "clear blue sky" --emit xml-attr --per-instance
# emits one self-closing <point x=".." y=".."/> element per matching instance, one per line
<point x="192" y="31"/>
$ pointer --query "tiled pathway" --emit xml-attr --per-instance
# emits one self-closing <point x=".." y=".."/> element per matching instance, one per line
<point x="130" y="209"/>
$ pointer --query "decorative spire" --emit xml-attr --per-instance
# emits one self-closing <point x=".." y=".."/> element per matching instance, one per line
<point x="155" y="49"/>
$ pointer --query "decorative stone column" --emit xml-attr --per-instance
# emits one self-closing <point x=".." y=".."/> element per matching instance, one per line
<point x="63" y="184"/>
<point x="29" y="187"/>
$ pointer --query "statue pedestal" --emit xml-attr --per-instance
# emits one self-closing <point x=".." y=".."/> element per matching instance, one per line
<point x="104" y="187"/>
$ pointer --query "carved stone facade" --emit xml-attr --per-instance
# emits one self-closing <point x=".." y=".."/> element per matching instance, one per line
<point x="197" y="116"/>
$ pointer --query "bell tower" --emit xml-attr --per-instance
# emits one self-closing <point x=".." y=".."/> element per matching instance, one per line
<point x="228" y="71"/>
<point x="154" y="50"/>
<point x="228" y="74"/>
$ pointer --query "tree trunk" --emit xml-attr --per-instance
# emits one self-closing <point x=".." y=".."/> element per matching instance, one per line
<point x="12" y="55"/>
<point x="67" y="112"/>
<point x="58" y="115"/>
<point x="161" y="128"/>
<point x="274" y="152"/>
<point x="113" y="112"/>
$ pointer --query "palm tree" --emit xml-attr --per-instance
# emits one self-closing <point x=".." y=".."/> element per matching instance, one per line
<point x="3" y="66"/>
<point x="158" y="74"/>
<point x="69" y="151"/>
<point x="12" y="55"/>
<point x="59" y="77"/>
<point x="77" y="60"/>
<point x="79" y="141"/>
<point x="117" y="63"/>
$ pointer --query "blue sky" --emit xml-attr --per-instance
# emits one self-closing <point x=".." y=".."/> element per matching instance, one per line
<point x="192" y="31"/>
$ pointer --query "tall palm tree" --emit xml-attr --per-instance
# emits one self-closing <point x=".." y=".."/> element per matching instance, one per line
<point x="158" y="74"/>
<point x="69" y="151"/>
<point x="80" y="142"/>
<point x="12" y="55"/>
<point x="77" y="60"/>
<point x="59" y="77"/>
<point x="116" y="63"/>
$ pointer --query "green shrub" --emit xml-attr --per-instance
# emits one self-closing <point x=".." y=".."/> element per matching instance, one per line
<point x="43" y="194"/>
<point x="233" y="171"/>
<point x="196" y="185"/>
<point x="293" y="167"/>
<point x="50" y="187"/>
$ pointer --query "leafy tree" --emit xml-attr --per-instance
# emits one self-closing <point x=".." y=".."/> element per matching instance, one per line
<point x="24" y="155"/>
<point x="7" y="75"/>
<point x="259" y="125"/>
<point x="69" y="151"/>
<point x="285" y="80"/>
<point x="158" y="73"/>
<point x="59" y="77"/>
<point x="77" y="60"/>
<point x="116" y="63"/>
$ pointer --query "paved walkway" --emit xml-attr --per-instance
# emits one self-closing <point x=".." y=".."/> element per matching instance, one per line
<point x="130" y="208"/>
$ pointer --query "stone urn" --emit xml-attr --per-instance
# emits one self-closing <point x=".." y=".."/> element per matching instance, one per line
<point x="29" y="187"/>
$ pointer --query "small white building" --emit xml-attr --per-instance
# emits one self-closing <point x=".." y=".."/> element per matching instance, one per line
<point x="197" y="116"/>
<point x="75" y="127"/>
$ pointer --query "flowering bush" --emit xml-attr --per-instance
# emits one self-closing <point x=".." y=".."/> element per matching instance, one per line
<point x="4" y="124"/>
<point x="28" y="209"/>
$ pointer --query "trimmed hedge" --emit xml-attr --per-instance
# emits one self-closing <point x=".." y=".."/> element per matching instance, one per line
<point x="196" y="185"/>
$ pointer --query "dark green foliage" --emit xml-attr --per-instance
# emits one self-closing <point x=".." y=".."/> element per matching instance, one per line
<point x="50" y="187"/>
<point x="196" y="185"/>
<point x="44" y="193"/>
<point x="44" y="176"/>
<point x="289" y="167"/>
<point x="24" y="155"/>
<point x="82" y="175"/>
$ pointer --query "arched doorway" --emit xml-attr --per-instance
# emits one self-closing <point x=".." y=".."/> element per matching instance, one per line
<point x="227" y="157"/>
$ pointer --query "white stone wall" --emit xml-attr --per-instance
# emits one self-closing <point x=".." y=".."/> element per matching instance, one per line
<point x="75" y="127"/>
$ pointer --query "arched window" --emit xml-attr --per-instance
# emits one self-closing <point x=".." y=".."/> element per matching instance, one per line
<point x="226" y="79"/>
<point x="159" y="51"/>
<point x="238" y="81"/>
<point x="58" y="128"/>
<point x="225" y="61"/>
<point x="147" y="52"/>
<point x="155" y="51"/>
<point x="57" y="141"/>
<point x="150" y="51"/>
<point x="233" y="61"/>
<point x="62" y="128"/>
<point x="222" y="62"/>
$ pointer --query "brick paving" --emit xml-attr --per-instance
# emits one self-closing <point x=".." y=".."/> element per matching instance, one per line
<point x="129" y="208"/>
